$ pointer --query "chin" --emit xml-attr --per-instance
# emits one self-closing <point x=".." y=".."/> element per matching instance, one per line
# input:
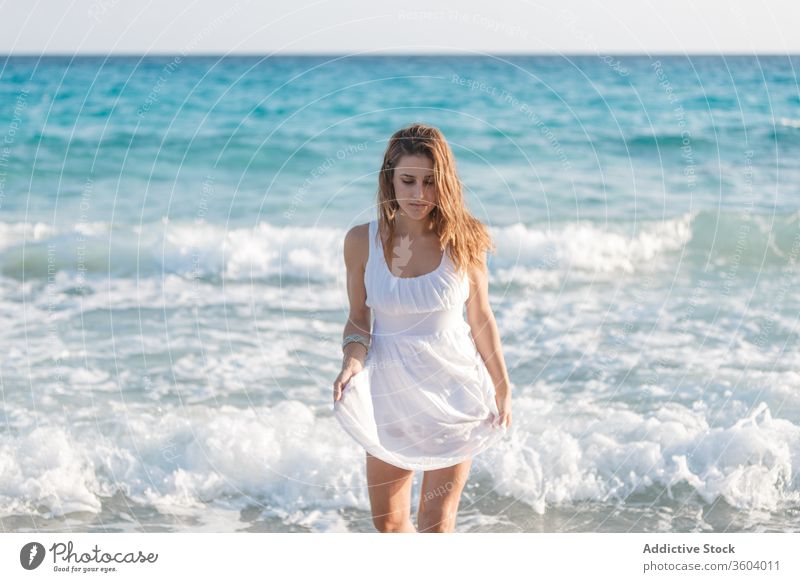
<point x="418" y="212"/>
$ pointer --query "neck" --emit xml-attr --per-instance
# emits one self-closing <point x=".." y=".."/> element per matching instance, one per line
<point x="412" y="227"/>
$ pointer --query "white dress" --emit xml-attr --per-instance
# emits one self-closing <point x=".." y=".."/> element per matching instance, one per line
<point x="424" y="399"/>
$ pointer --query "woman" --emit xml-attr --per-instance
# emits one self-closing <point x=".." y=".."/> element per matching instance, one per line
<point x="421" y="389"/>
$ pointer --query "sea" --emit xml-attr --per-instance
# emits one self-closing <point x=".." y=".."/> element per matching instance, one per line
<point x="172" y="286"/>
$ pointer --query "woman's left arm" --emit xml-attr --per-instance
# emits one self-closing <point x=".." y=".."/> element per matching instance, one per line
<point x="487" y="339"/>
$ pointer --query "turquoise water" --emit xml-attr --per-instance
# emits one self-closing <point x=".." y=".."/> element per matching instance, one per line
<point x="172" y="289"/>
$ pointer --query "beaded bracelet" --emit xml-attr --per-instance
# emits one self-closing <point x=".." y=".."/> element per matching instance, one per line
<point x="355" y="338"/>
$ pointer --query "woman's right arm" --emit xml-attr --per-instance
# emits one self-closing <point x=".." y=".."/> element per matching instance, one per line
<point x="356" y="252"/>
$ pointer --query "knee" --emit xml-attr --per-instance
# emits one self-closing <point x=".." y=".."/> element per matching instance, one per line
<point x="389" y="523"/>
<point x="436" y="520"/>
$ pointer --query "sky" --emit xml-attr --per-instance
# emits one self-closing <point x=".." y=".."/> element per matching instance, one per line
<point x="415" y="26"/>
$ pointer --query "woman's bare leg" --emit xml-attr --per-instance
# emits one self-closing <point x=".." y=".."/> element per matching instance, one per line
<point x="439" y="498"/>
<point x="389" y="496"/>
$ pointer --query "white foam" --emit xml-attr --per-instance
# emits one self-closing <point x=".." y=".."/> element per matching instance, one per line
<point x="524" y="253"/>
<point x="46" y="467"/>
<point x="12" y="233"/>
<point x="585" y="451"/>
<point x="301" y="468"/>
<point x="182" y="459"/>
<point x="589" y="246"/>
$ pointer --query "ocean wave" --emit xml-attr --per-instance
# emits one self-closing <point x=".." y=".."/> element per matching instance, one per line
<point x="182" y="459"/>
<point x="744" y="238"/>
<point x="290" y="457"/>
<point x="284" y="255"/>
<point x="594" y="455"/>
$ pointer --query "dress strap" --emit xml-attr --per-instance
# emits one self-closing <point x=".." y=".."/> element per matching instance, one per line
<point x="374" y="245"/>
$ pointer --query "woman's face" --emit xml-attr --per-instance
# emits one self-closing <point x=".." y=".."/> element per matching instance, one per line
<point x="414" y="186"/>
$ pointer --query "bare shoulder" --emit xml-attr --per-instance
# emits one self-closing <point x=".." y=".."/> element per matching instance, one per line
<point x="356" y="245"/>
<point x="479" y="273"/>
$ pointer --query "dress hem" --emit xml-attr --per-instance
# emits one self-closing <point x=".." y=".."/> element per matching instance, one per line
<point x="411" y="466"/>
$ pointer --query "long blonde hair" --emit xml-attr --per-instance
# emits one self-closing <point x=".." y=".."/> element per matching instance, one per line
<point x="468" y="237"/>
